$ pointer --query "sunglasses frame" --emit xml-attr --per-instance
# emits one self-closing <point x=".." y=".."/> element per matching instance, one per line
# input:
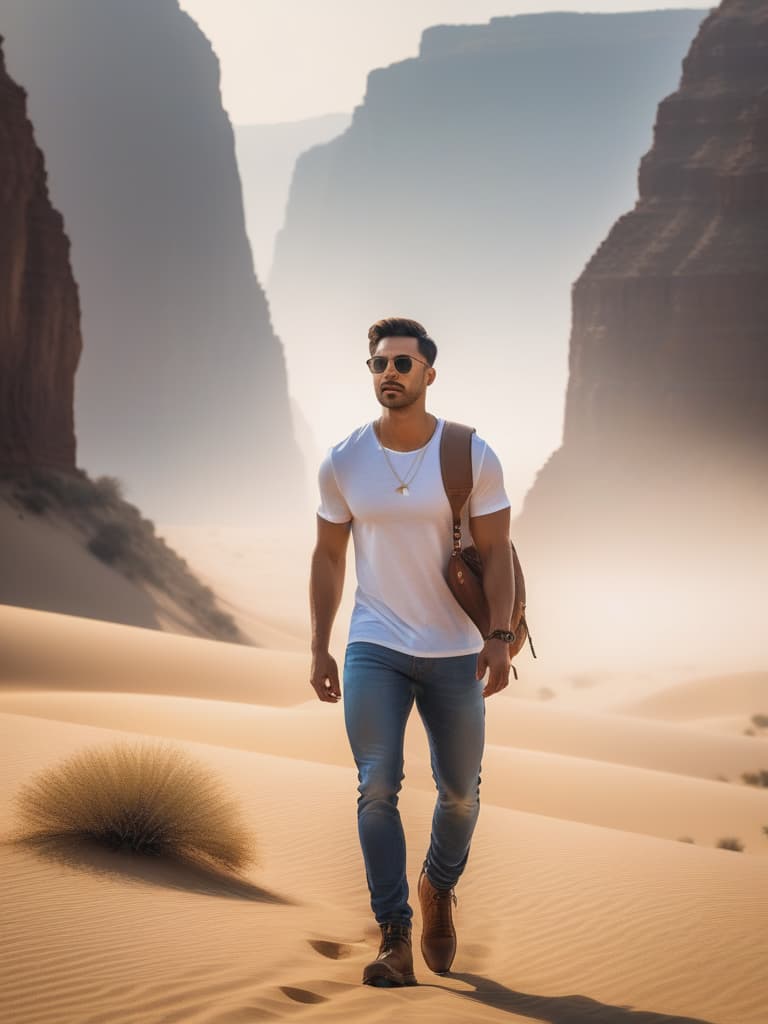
<point x="393" y="360"/>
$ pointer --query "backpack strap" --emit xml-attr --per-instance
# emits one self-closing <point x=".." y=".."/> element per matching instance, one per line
<point x="456" y="468"/>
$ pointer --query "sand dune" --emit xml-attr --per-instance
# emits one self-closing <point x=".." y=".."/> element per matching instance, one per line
<point x="621" y="739"/>
<point x="83" y="654"/>
<point x="262" y="577"/>
<point x="709" y="696"/>
<point x="45" y="565"/>
<point x="558" y="921"/>
<point x="731" y="725"/>
<point x="627" y="798"/>
<point x="578" y="904"/>
<point x="574" y="788"/>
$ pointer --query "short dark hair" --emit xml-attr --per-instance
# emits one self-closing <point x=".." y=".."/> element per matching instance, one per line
<point x="402" y="327"/>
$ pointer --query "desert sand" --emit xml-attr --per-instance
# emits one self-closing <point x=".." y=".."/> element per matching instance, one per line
<point x="579" y="902"/>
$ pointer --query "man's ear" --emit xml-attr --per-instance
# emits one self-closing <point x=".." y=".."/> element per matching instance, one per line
<point x="431" y="374"/>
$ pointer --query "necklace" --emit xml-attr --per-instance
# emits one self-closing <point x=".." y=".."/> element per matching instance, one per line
<point x="403" y="488"/>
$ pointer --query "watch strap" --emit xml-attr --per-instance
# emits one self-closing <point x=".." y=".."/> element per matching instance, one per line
<point x="503" y="634"/>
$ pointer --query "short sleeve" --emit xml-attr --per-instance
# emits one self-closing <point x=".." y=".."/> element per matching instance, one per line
<point x="488" y="494"/>
<point x="332" y="506"/>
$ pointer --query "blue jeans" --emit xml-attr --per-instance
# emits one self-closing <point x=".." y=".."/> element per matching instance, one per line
<point x="379" y="688"/>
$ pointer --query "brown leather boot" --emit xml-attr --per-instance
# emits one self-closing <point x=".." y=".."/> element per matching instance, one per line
<point x="438" y="937"/>
<point x="394" y="964"/>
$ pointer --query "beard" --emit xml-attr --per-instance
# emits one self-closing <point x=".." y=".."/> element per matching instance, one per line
<point x="397" y="399"/>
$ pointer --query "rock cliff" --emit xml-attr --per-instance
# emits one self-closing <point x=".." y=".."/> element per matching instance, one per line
<point x="668" y="363"/>
<point x="48" y="506"/>
<point x="468" y="192"/>
<point x="182" y="392"/>
<point x="40" y="340"/>
<point x="646" y="531"/>
<point x="266" y="154"/>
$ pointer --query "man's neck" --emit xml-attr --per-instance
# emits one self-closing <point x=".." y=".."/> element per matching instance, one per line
<point x="405" y="429"/>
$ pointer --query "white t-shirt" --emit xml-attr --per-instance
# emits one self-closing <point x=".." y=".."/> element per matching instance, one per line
<point x="403" y="542"/>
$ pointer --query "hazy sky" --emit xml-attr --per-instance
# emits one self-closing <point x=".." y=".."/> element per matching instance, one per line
<point x="283" y="60"/>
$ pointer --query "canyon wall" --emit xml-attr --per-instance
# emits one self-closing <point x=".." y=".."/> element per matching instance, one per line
<point x="645" y="534"/>
<point x="668" y="366"/>
<point x="266" y="154"/>
<point x="182" y="390"/>
<point x="40" y="341"/>
<point x="468" y="192"/>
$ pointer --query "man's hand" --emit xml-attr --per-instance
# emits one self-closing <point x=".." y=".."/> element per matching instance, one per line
<point x="494" y="656"/>
<point x="324" y="668"/>
<point x="491" y="536"/>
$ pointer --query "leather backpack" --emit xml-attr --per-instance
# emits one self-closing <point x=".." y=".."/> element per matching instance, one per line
<point x="465" y="571"/>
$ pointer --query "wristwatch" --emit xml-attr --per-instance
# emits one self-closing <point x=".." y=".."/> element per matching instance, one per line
<point x="506" y="635"/>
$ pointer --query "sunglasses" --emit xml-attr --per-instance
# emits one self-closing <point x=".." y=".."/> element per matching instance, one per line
<point x="403" y="364"/>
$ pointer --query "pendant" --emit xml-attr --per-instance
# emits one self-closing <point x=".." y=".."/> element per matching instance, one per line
<point x="403" y="489"/>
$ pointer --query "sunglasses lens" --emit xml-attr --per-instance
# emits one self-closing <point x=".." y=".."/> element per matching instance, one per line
<point x="378" y="364"/>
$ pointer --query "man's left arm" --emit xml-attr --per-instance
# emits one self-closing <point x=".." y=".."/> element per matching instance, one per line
<point x="490" y="534"/>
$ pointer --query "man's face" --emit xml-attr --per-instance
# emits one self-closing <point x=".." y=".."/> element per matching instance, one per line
<point x="396" y="390"/>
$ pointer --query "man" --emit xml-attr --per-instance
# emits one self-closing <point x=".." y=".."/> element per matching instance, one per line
<point x="409" y="639"/>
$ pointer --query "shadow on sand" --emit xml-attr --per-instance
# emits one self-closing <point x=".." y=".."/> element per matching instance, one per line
<point x="164" y="872"/>
<point x="571" y="1009"/>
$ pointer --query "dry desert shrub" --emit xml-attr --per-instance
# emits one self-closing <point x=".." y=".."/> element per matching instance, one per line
<point x="150" y="798"/>
<point x="756" y="778"/>
<point x="730" y="843"/>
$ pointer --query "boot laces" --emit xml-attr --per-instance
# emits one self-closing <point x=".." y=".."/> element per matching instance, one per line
<point x="444" y="894"/>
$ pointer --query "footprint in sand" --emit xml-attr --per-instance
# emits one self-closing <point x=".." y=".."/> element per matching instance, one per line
<point x="302" y="995"/>
<point x="333" y="950"/>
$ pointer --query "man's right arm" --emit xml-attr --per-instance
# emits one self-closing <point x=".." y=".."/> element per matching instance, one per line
<point x="326" y="584"/>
